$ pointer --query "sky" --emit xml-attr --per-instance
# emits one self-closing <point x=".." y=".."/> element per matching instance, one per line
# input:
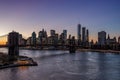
<point x="26" y="16"/>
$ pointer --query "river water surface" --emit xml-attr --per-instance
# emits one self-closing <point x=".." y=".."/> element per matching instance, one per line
<point x="60" y="65"/>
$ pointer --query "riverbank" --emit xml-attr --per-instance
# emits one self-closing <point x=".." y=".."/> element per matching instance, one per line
<point x="97" y="50"/>
<point x="21" y="61"/>
<point x="16" y="65"/>
<point x="87" y="50"/>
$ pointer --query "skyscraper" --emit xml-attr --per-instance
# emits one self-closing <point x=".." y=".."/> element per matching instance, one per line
<point x="102" y="38"/>
<point x="65" y="34"/>
<point x="42" y="37"/>
<point x="33" y="39"/>
<point x="52" y="32"/>
<point x="83" y="34"/>
<point x="79" y="32"/>
<point x="87" y="35"/>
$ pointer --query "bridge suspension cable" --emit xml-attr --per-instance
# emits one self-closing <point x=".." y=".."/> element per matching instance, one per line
<point x="3" y="39"/>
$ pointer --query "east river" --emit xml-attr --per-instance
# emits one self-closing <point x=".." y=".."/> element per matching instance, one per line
<point x="60" y="65"/>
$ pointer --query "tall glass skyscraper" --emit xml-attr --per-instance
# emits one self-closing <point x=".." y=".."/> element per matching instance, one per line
<point x="83" y="34"/>
<point x="33" y="39"/>
<point x="87" y="35"/>
<point x="79" y="32"/>
<point x="65" y="34"/>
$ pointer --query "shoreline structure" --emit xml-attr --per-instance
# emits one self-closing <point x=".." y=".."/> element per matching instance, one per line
<point x="21" y="61"/>
<point x="98" y="50"/>
<point x="85" y="50"/>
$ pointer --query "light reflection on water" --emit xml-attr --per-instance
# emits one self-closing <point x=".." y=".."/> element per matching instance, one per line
<point x="60" y="65"/>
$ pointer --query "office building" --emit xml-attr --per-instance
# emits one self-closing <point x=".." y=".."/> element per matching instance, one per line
<point x="119" y="40"/>
<point x="87" y="35"/>
<point x="83" y="34"/>
<point x="65" y="35"/>
<point x="33" y="39"/>
<point x="52" y="32"/>
<point x="110" y="41"/>
<point x="42" y="37"/>
<point x="28" y="42"/>
<point x="79" y="32"/>
<point x="102" y="38"/>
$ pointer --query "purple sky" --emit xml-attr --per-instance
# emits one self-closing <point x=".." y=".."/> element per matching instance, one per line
<point x="26" y="16"/>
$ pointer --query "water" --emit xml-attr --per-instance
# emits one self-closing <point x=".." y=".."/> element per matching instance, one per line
<point x="60" y="65"/>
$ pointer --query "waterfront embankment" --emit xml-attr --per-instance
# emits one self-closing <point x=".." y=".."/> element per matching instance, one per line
<point x="98" y="50"/>
<point x="84" y="50"/>
<point x="21" y="61"/>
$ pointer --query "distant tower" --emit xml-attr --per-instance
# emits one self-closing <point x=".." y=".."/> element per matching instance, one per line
<point x="52" y="32"/>
<point x="102" y="38"/>
<point x="83" y="34"/>
<point x="33" y="39"/>
<point x="13" y="45"/>
<point x="79" y="32"/>
<point x="87" y="35"/>
<point x="108" y="36"/>
<point x="69" y="36"/>
<point x="42" y="37"/>
<point x="65" y="34"/>
<point x="119" y="40"/>
<point x="108" y="40"/>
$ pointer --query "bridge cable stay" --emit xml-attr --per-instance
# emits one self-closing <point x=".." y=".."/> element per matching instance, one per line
<point x="3" y="39"/>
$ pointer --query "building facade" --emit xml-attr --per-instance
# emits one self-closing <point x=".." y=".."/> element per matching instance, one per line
<point x="83" y="34"/>
<point x="33" y="39"/>
<point x="79" y="32"/>
<point x="102" y="38"/>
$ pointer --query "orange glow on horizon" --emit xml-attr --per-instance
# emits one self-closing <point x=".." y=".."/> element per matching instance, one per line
<point x="3" y="40"/>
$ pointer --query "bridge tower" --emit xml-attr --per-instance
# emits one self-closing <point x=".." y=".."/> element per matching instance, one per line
<point x="13" y="45"/>
<point x="72" y="45"/>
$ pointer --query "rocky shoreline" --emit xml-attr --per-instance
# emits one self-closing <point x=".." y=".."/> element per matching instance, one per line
<point x="16" y="65"/>
<point x="21" y="61"/>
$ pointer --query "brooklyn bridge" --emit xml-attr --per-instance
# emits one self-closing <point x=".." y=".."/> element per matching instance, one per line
<point x="5" y="42"/>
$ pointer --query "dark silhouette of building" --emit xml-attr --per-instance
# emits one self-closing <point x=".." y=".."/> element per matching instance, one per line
<point x="79" y="34"/>
<point x="119" y="40"/>
<point x="87" y="35"/>
<point x="13" y="45"/>
<point x="87" y="38"/>
<point x="83" y="34"/>
<point x="42" y="38"/>
<point x="52" y="32"/>
<point x="110" y="41"/>
<point x="33" y="39"/>
<point x="72" y="45"/>
<point x="28" y="42"/>
<point x="102" y="38"/>
<point x="65" y="35"/>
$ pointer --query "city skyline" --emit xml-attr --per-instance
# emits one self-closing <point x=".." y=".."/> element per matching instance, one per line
<point x="27" y="16"/>
<point x="82" y="36"/>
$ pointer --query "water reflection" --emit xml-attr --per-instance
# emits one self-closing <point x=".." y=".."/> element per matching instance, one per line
<point x="22" y="68"/>
<point x="60" y="65"/>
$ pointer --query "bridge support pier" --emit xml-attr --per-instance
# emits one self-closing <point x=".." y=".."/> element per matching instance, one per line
<point x="72" y="48"/>
<point x="13" y="45"/>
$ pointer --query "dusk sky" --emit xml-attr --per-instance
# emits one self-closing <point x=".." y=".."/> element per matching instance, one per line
<point x="26" y="16"/>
